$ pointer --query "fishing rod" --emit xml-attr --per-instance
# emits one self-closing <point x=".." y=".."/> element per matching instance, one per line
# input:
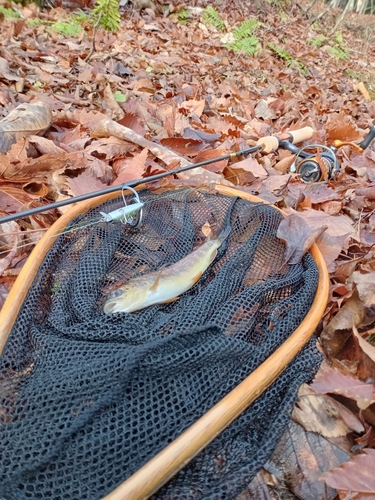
<point x="266" y="144"/>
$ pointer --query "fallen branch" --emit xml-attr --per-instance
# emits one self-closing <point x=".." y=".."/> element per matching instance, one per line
<point x="108" y="127"/>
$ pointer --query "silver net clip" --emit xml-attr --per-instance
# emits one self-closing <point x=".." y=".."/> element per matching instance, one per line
<point x="130" y="214"/>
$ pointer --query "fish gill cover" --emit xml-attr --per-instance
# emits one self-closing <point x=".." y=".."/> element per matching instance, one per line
<point x="86" y="398"/>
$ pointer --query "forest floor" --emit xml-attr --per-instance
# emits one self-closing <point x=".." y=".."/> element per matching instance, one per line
<point x="189" y="83"/>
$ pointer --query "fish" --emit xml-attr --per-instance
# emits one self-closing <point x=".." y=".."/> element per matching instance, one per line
<point x="167" y="284"/>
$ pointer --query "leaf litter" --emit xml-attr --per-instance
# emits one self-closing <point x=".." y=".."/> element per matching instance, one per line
<point x="159" y="94"/>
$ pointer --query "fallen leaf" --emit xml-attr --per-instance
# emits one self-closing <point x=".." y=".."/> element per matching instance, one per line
<point x="24" y="120"/>
<point x="188" y="147"/>
<point x="133" y="122"/>
<point x="85" y="183"/>
<point x="336" y="333"/>
<point x="193" y="107"/>
<point x="355" y="477"/>
<point x="330" y="380"/>
<point x="134" y="169"/>
<point x="323" y="414"/>
<point x="262" y="110"/>
<point x="110" y="105"/>
<point x="298" y="462"/>
<point x="297" y="236"/>
<point x="365" y="286"/>
<point x="342" y="127"/>
<point x="365" y="346"/>
<point x="211" y="154"/>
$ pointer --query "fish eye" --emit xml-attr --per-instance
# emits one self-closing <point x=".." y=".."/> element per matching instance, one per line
<point x="116" y="293"/>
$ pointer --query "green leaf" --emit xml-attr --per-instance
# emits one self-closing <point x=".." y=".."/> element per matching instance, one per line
<point x="8" y="13"/>
<point x="107" y="14"/>
<point x="211" y="16"/>
<point x="71" y="28"/>
<point x="119" y="96"/>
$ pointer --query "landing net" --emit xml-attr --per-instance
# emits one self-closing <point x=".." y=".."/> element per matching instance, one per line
<point x="86" y="398"/>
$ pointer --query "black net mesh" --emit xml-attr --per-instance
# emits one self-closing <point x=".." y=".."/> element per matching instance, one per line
<point x="86" y="398"/>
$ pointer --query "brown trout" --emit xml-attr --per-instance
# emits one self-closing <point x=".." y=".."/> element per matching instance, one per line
<point x="164" y="285"/>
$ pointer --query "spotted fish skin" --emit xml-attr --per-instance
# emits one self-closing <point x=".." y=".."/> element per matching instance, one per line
<point x="165" y="285"/>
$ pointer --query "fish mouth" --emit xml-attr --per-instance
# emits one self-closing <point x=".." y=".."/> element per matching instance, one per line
<point x="112" y="306"/>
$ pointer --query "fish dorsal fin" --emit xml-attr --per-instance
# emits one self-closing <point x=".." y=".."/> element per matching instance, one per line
<point x="155" y="284"/>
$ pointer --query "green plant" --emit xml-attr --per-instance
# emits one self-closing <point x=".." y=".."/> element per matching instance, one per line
<point x="244" y="39"/>
<point x="290" y="60"/>
<point x="34" y="22"/>
<point x="183" y="16"/>
<point x="338" y="52"/>
<point x="107" y="15"/>
<point x="318" y="41"/>
<point x="339" y="49"/>
<point x="8" y="13"/>
<point x="211" y="16"/>
<point x="79" y="16"/>
<point x="71" y="28"/>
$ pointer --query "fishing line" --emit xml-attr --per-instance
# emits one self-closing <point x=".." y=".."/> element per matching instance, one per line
<point x="98" y="220"/>
<point x="77" y="227"/>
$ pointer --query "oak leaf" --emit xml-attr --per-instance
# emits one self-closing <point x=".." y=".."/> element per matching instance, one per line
<point x="298" y="237"/>
<point x="356" y="477"/>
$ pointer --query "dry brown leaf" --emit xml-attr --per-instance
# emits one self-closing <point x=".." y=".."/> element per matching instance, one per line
<point x="133" y="170"/>
<point x="339" y="231"/>
<point x="323" y="414"/>
<point x="12" y="196"/>
<point x="365" y="286"/>
<point x="111" y="106"/>
<point x="133" y="122"/>
<point x="298" y="462"/>
<point x="364" y="345"/>
<point x="193" y="107"/>
<point x="284" y="164"/>
<point x="24" y="120"/>
<point x="355" y="477"/>
<point x="330" y="380"/>
<point x="297" y="236"/>
<point x="210" y="154"/>
<point x="342" y="127"/>
<point x="45" y="146"/>
<point x="6" y="73"/>
<point x="188" y="147"/>
<point x="84" y="183"/>
<point x="263" y="111"/>
<point x="10" y="239"/>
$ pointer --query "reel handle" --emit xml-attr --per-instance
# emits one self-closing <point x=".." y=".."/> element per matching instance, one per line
<point x="272" y="142"/>
<point x="368" y="139"/>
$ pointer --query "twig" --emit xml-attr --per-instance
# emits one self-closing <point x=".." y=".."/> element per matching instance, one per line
<point x="71" y="100"/>
<point x="96" y="25"/>
<point x="310" y="6"/>
<point x="348" y="6"/>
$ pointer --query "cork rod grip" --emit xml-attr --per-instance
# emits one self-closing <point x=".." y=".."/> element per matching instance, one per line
<point x="302" y="134"/>
<point x="271" y="142"/>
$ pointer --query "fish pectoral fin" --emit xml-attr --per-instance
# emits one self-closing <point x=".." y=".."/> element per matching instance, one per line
<point x="169" y="300"/>
<point x="155" y="284"/>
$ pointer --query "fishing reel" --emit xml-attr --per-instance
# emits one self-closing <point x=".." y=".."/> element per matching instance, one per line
<point x="315" y="167"/>
<point x="316" y="162"/>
